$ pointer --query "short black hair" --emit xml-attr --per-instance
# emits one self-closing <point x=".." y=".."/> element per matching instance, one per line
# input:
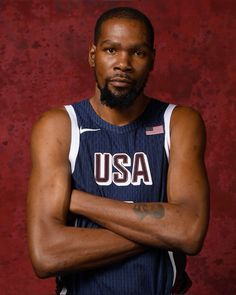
<point x="124" y="12"/>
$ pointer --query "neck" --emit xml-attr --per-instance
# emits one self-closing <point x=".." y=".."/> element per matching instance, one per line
<point x="119" y="117"/>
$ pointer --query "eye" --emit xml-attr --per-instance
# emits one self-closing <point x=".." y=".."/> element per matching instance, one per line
<point x="110" y="50"/>
<point x="139" y="52"/>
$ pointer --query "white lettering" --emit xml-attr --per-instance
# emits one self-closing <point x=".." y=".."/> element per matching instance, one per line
<point x="105" y="163"/>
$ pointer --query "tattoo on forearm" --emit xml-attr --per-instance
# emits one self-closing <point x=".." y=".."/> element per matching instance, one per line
<point x="155" y="210"/>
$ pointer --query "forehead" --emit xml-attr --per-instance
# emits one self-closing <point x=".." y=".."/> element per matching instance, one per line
<point x="124" y="30"/>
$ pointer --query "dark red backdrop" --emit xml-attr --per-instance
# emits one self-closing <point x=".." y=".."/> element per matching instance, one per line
<point x="43" y="57"/>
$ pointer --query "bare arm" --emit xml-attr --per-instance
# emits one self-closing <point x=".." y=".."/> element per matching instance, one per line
<point x="182" y="222"/>
<point x="55" y="247"/>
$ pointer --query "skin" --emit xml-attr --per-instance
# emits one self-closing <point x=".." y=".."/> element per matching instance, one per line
<point x="127" y="229"/>
<point x="122" y="49"/>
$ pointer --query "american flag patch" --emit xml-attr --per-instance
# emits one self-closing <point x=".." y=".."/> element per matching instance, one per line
<point x="154" y="130"/>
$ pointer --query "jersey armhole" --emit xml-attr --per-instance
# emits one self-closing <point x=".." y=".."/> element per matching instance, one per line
<point x="75" y="136"/>
<point x="167" y="118"/>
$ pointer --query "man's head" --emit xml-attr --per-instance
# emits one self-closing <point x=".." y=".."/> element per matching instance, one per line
<point x="122" y="55"/>
<point x="124" y="13"/>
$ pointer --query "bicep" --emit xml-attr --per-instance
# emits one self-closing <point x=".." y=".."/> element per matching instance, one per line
<point x="187" y="179"/>
<point x="49" y="193"/>
<point x="49" y="186"/>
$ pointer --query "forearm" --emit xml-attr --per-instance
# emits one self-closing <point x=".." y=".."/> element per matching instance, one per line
<point x="65" y="249"/>
<point x="165" y="225"/>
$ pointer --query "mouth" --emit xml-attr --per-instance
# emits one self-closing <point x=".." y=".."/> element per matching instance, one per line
<point x="121" y="82"/>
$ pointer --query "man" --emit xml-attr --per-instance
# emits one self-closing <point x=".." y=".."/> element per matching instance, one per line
<point x="129" y="168"/>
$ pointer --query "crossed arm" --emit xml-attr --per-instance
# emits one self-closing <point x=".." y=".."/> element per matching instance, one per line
<point x="127" y="229"/>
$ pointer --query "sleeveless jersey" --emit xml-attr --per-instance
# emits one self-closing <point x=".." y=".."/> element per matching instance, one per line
<point x="126" y="163"/>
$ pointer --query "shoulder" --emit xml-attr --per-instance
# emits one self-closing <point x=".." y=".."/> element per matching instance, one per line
<point x="186" y="117"/>
<point x="187" y="126"/>
<point x="52" y="128"/>
<point x="52" y="115"/>
<point x="53" y="119"/>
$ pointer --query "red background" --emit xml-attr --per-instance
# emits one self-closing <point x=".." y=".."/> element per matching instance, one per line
<point x="43" y="63"/>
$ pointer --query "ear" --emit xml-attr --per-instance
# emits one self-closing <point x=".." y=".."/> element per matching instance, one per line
<point x="153" y="59"/>
<point x="92" y="52"/>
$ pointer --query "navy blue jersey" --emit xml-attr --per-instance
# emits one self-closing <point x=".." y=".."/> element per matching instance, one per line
<point x="126" y="163"/>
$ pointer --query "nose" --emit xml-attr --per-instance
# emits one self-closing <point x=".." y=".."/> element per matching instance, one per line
<point x="123" y="62"/>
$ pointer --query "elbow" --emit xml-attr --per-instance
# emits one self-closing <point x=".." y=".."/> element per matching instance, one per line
<point x="42" y="271"/>
<point x="192" y="247"/>
<point x="44" y="251"/>
<point x="43" y="264"/>
<point x="192" y="241"/>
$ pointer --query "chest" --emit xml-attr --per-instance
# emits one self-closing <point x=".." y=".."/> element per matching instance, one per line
<point x="127" y="166"/>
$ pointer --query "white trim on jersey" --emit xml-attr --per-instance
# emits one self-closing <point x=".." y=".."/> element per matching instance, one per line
<point x="75" y="136"/>
<point x="63" y="291"/>
<point x="172" y="260"/>
<point x="167" y="118"/>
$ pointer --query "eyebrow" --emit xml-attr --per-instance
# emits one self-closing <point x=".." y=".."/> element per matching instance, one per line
<point x="144" y="44"/>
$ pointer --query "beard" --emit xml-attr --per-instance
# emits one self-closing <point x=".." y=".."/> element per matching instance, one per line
<point x="120" y="98"/>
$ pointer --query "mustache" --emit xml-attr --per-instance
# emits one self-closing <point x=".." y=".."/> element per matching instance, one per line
<point x="124" y="76"/>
